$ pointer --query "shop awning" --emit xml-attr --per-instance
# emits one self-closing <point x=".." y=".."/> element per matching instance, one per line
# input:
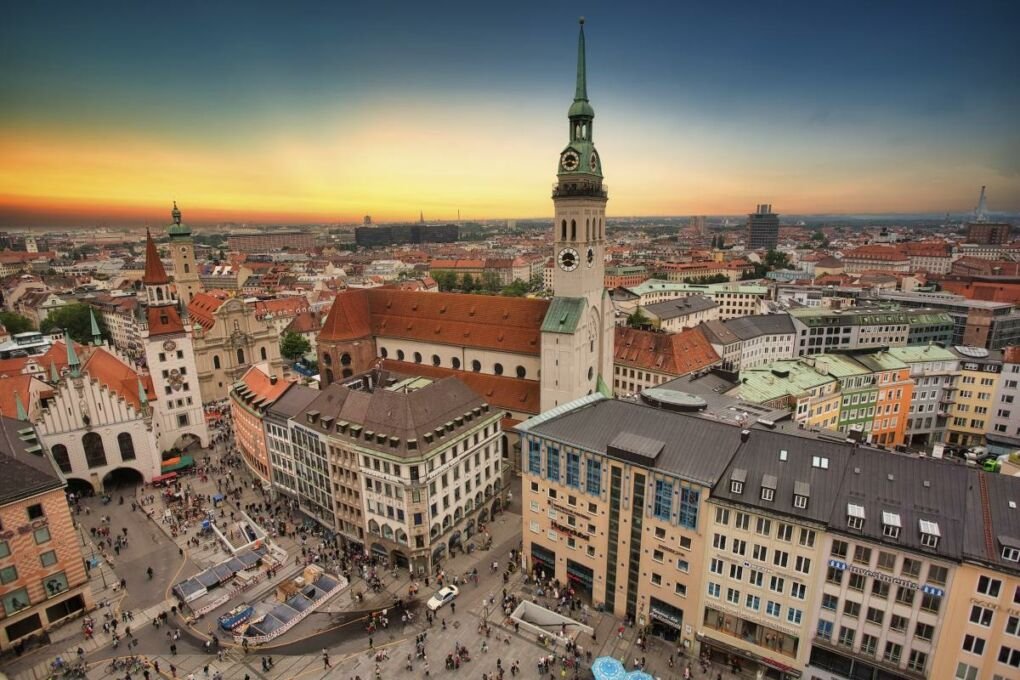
<point x="179" y="463"/>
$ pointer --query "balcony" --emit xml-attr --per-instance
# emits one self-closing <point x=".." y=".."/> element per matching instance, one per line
<point x="582" y="188"/>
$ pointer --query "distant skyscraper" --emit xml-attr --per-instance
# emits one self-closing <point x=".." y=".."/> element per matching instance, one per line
<point x="982" y="231"/>
<point x="698" y="223"/>
<point x="367" y="221"/>
<point x="763" y="228"/>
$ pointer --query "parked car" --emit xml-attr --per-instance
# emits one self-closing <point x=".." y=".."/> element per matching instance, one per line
<point x="442" y="597"/>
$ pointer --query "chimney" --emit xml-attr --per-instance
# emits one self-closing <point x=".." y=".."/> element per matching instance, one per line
<point x="272" y="379"/>
<point x="745" y="435"/>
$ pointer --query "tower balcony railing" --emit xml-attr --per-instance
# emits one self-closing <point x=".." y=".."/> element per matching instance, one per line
<point x="580" y="188"/>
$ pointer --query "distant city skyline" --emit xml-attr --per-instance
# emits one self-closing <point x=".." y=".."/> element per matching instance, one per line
<point x="261" y="113"/>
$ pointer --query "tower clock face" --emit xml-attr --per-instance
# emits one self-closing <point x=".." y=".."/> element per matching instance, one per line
<point x="570" y="161"/>
<point x="568" y="259"/>
<point x="594" y="161"/>
<point x="591" y="256"/>
<point x="169" y="345"/>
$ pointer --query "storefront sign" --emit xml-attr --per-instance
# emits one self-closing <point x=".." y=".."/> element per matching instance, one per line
<point x="24" y="529"/>
<point x="569" y="530"/>
<point x="881" y="576"/>
<point x="1012" y="611"/>
<point x="665" y="617"/>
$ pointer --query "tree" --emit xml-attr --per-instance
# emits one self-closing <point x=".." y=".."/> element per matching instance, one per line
<point x="516" y="289"/>
<point x="15" y="323"/>
<point x="75" y="320"/>
<point x="637" y="319"/>
<point x="445" y="279"/>
<point x="490" y="282"/>
<point x="467" y="283"/>
<point x="776" y="260"/>
<point x="293" y="346"/>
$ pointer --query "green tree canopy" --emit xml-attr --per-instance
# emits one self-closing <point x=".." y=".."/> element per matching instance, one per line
<point x="776" y="260"/>
<point x="293" y="346"/>
<point x="76" y="321"/>
<point x="637" y="319"/>
<point x="16" y="323"/>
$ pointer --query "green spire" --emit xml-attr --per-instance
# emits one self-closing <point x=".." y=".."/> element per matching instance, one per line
<point x="54" y="373"/>
<point x="581" y="93"/>
<point x="97" y="337"/>
<point x="72" y="358"/>
<point x="22" y="415"/>
<point x="143" y="398"/>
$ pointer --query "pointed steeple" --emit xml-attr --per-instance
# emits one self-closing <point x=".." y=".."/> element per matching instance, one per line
<point x="54" y="373"/>
<point x="22" y="414"/>
<point x="97" y="337"/>
<point x="155" y="274"/>
<point x="176" y="214"/>
<point x="143" y="398"/>
<point x="581" y="91"/>
<point x="72" y="358"/>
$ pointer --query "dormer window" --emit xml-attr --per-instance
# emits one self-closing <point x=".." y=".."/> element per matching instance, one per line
<point x="768" y="487"/>
<point x="820" y="462"/>
<point x="854" y="516"/>
<point x="801" y="494"/>
<point x="1010" y="548"/>
<point x="737" y="480"/>
<point x="930" y="533"/>
<point x="891" y="525"/>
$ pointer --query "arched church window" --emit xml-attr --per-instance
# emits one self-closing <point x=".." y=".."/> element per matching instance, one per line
<point x="584" y="132"/>
<point x="435" y="360"/>
<point x="577" y="131"/>
<point x="591" y="372"/>
<point x="573" y="230"/>
<point x="563" y="235"/>
<point x="383" y="352"/>
<point x="63" y="460"/>
<point x="240" y="356"/>
<point x="497" y="369"/>
<point x="417" y="357"/>
<point x="127" y="446"/>
<point x="326" y="359"/>
<point x="400" y="355"/>
<point x="159" y="293"/>
<point x="216" y="360"/>
<point x="456" y="363"/>
<point x="262" y="353"/>
<point x="95" y="453"/>
<point x="521" y="372"/>
<point x="345" y="359"/>
<point x="587" y="229"/>
<point x="476" y="365"/>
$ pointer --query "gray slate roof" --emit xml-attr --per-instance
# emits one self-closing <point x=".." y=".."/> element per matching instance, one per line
<point x="748" y="327"/>
<point x="914" y="488"/>
<point x="694" y="449"/>
<point x="995" y="495"/>
<point x="292" y="402"/>
<point x="23" y="473"/>
<point x="759" y="461"/>
<point x="672" y="309"/>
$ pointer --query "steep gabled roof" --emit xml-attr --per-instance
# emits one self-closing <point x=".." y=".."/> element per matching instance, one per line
<point x="491" y="322"/>
<point x="164" y="320"/>
<point x="670" y="353"/>
<point x="202" y="309"/>
<point x="118" y="377"/>
<point x="155" y="274"/>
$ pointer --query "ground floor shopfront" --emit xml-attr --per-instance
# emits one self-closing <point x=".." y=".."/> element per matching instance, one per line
<point x="721" y="637"/>
<point x="40" y="618"/>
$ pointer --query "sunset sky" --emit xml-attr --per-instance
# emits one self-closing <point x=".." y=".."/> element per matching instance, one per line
<point x="327" y="111"/>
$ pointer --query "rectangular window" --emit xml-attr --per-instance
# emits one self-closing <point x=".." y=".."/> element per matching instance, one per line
<point x="594" y="477"/>
<point x="663" y="506"/>
<point x="534" y="457"/>
<point x="574" y="470"/>
<point x="973" y="644"/>
<point x="552" y="463"/>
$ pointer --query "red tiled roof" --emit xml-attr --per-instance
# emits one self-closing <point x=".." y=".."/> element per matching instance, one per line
<point x="512" y="394"/>
<point x="876" y="252"/>
<point x="155" y="274"/>
<point x="11" y="385"/>
<point x="202" y="309"/>
<point x="164" y="320"/>
<point x="261" y="386"/>
<point x="670" y="353"/>
<point x="285" y="306"/>
<point x="498" y="323"/>
<point x="305" y="322"/>
<point x="120" y="378"/>
<point x="56" y="354"/>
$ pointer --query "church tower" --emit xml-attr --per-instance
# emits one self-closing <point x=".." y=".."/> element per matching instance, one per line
<point x="182" y="252"/>
<point x="578" y="332"/>
<point x="170" y="357"/>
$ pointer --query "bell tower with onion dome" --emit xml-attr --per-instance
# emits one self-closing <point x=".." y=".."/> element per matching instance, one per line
<point x="577" y="336"/>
